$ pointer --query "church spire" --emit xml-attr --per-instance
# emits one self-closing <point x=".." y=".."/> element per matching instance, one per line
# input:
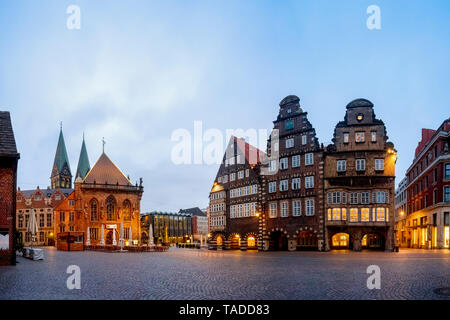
<point x="61" y="176"/>
<point x="83" y="162"/>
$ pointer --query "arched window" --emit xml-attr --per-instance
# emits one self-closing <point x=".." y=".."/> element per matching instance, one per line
<point x="94" y="208"/>
<point x="110" y="209"/>
<point x="127" y="210"/>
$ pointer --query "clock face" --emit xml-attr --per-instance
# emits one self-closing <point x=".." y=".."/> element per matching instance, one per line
<point x="360" y="117"/>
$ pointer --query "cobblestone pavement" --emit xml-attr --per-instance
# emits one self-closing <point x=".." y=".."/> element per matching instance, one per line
<point x="202" y="274"/>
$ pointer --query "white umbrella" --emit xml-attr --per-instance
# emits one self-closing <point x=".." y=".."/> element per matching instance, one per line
<point x="102" y="236"/>
<point x="121" y="240"/>
<point x="150" y="235"/>
<point x="130" y="236"/>
<point x="32" y="226"/>
<point x="88" y="237"/>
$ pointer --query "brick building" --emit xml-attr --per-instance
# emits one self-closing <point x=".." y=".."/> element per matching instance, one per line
<point x="8" y="182"/>
<point x="292" y="193"/>
<point x="236" y="198"/>
<point x="401" y="197"/>
<point x="43" y="203"/>
<point x="102" y="200"/>
<point x="427" y="220"/>
<point x="359" y="182"/>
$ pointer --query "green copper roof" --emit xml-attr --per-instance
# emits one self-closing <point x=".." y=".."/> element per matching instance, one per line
<point x="83" y="162"/>
<point x="61" y="157"/>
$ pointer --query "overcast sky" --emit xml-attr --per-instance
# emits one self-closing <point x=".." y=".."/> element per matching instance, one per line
<point x="138" y="70"/>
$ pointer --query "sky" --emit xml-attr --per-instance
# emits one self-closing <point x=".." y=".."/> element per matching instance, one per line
<point x="136" y="71"/>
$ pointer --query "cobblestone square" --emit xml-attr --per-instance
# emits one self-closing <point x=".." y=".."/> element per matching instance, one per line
<point x="201" y="274"/>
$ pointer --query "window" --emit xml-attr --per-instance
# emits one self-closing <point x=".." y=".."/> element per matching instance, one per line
<point x="241" y="174"/>
<point x="273" y="165"/>
<point x="360" y="164"/>
<point x="360" y="137"/>
<point x="71" y="203"/>
<point x="93" y="233"/>
<point x="309" y="159"/>
<point x="225" y="179"/>
<point x="20" y="222"/>
<point x="289" y="143"/>
<point x="57" y="197"/>
<point x="381" y="214"/>
<point x="247" y="173"/>
<point x="284" y="185"/>
<point x="309" y="182"/>
<point x="346" y="137"/>
<point x="335" y="197"/>
<point x="232" y="211"/>
<point x="94" y="212"/>
<point x="284" y="209"/>
<point x="71" y="216"/>
<point x="41" y="220"/>
<point x="219" y="179"/>
<point x="341" y="165"/>
<point x="254" y="189"/>
<point x="365" y="197"/>
<point x="296" y="208"/>
<point x="49" y="219"/>
<point x="284" y="163"/>
<point x="110" y="209"/>
<point x="295" y="183"/>
<point x="232" y="195"/>
<point x="379" y="164"/>
<point x="231" y="161"/>
<point x="365" y="214"/>
<point x="232" y="176"/>
<point x="62" y="217"/>
<point x="127" y="210"/>
<point x="447" y="193"/>
<point x="272" y="187"/>
<point x="296" y="161"/>
<point x="353" y="198"/>
<point x="381" y="197"/>
<point x="273" y="210"/>
<point x="304" y="138"/>
<point x="309" y="204"/>
<point x="336" y="214"/>
<point x="373" y="135"/>
<point x="353" y="215"/>
<point x="447" y="171"/>
<point x="435" y="198"/>
<point x="289" y="124"/>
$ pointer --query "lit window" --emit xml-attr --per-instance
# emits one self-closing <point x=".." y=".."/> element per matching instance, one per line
<point x="354" y="215"/>
<point x="360" y="137"/>
<point x="365" y="214"/>
<point x="336" y="214"/>
<point x="380" y="214"/>
<point x="273" y="210"/>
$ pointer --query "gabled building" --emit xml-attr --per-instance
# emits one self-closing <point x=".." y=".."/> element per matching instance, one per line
<point x="236" y="200"/>
<point x="428" y="192"/>
<point x="103" y="199"/>
<point x="292" y="189"/>
<point x="359" y="182"/>
<point x="9" y="158"/>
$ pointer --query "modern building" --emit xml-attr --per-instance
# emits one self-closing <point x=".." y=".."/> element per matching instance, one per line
<point x="101" y="200"/>
<point x="359" y="182"/>
<point x="42" y="202"/>
<point x="401" y="197"/>
<point x="293" y="190"/>
<point x="428" y="200"/>
<point x="199" y="223"/>
<point x="9" y="158"/>
<point x="167" y="227"/>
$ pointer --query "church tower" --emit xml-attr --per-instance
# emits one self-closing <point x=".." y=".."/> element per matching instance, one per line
<point x="83" y="162"/>
<point x="61" y="175"/>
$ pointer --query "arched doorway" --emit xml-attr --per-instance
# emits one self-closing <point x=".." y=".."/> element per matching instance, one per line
<point x="340" y="241"/>
<point x="109" y="237"/>
<point x="235" y="242"/>
<point x="219" y="241"/>
<point x="252" y="242"/>
<point x="306" y="240"/>
<point x="278" y="241"/>
<point x="372" y="241"/>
